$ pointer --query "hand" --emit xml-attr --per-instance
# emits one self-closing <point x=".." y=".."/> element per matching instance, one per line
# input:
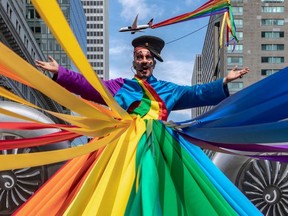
<point x="51" y="66"/>
<point x="235" y="74"/>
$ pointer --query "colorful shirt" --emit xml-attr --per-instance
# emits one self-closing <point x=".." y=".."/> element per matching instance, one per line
<point x="128" y="91"/>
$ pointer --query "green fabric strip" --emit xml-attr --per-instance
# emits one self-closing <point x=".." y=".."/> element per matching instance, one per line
<point x="196" y="192"/>
<point x="170" y="181"/>
<point x="143" y="107"/>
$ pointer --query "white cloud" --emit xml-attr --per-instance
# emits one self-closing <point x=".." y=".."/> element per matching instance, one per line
<point x="177" y="71"/>
<point x="130" y="8"/>
<point x="119" y="49"/>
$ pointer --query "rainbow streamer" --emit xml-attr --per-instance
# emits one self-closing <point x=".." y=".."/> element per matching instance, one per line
<point x="210" y="8"/>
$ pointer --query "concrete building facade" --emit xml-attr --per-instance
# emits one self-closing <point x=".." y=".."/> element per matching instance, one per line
<point x="263" y="47"/>
<point x="261" y="30"/>
<point x="97" y="15"/>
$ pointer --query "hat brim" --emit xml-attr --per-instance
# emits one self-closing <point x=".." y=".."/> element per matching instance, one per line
<point x="156" y="54"/>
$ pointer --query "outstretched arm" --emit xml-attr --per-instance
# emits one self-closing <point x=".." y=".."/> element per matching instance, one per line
<point x="235" y="74"/>
<point x="51" y="66"/>
<point x="76" y="82"/>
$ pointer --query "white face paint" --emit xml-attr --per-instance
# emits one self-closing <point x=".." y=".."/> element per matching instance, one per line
<point x="143" y="63"/>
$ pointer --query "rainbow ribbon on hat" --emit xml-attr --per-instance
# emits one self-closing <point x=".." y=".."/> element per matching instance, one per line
<point x="210" y="8"/>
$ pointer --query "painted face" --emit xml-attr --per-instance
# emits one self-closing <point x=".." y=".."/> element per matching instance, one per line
<point x="143" y="62"/>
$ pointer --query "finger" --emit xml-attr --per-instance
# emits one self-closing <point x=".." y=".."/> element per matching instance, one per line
<point x="235" y="68"/>
<point x="51" y="59"/>
<point x="244" y="71"/>
<point x="39" y="63"/>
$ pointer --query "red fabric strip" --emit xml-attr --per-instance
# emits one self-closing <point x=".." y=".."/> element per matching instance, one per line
<point x="163" y="112"/>
<point x="38" y="141"/>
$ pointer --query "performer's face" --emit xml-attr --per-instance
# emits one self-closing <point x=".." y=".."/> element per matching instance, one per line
<point x="143" y="62"/>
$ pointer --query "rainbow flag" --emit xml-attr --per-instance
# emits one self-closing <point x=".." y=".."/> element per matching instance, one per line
<point x="210" y="8"/>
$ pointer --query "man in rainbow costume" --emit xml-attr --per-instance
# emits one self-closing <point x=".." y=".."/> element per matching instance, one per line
<point x="132" y="95"/>
<point x="173" y="177"/>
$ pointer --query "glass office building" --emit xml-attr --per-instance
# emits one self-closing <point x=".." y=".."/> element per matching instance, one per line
<point x="74" y="13"/>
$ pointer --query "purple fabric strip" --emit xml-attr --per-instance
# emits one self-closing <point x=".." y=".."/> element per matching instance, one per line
<point x="272" y="147"/>
<point x="257" y="148"/>
<point x="280" y="158"/>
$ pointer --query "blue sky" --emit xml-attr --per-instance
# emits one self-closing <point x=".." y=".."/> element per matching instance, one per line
<point x="178" y="56"/>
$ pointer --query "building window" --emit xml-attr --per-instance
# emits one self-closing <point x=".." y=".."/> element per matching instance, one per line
<point x="31" y="14"/>
<point x="272" y="60"/>
<point x="101" y="72"/>
<point x="272" y="1"/>
<point x="267" y="72"/>
<point x="238" y="23"/>
<point x="237" y="10"/>
<point x="272" y="47"/>
<point x="32" y="99"/>
<point x="235" y="60"/>
<point x="238" y="48"/>
<point x="272" y="22"/>
<point x="239" y="35"/>
<point x="63" y="60"/>
<point x="37" y="29"/>
<point x="270" y="34"/>
<point x="235" y="86"/>
<point x="24" y="90"/>
<point x="272" y="9"/>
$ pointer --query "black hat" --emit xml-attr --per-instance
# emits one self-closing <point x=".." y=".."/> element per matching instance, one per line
<point x="152" y="43"/>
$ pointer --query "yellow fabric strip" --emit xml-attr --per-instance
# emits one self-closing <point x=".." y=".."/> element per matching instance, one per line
<point x="224" y="20"/>
<point x="9" y="162"/>
<point x="87" y="122"/>
<point x="95" y="127"/>
<point x="124" y="158"/>
<point x="6" y="72"/>
<point x="111" y="178"/>
<point x="25" y="71"/>
<point x="9" y="95"/>
<point x="17" y="115"/>
<point x="81" y="199"/>
<point x="51" y="13"/>
<point x="154" y="110"/>
<point x="129" y="171"/>
<point x="71" y="119"/>
<point x="99" y="129"/>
